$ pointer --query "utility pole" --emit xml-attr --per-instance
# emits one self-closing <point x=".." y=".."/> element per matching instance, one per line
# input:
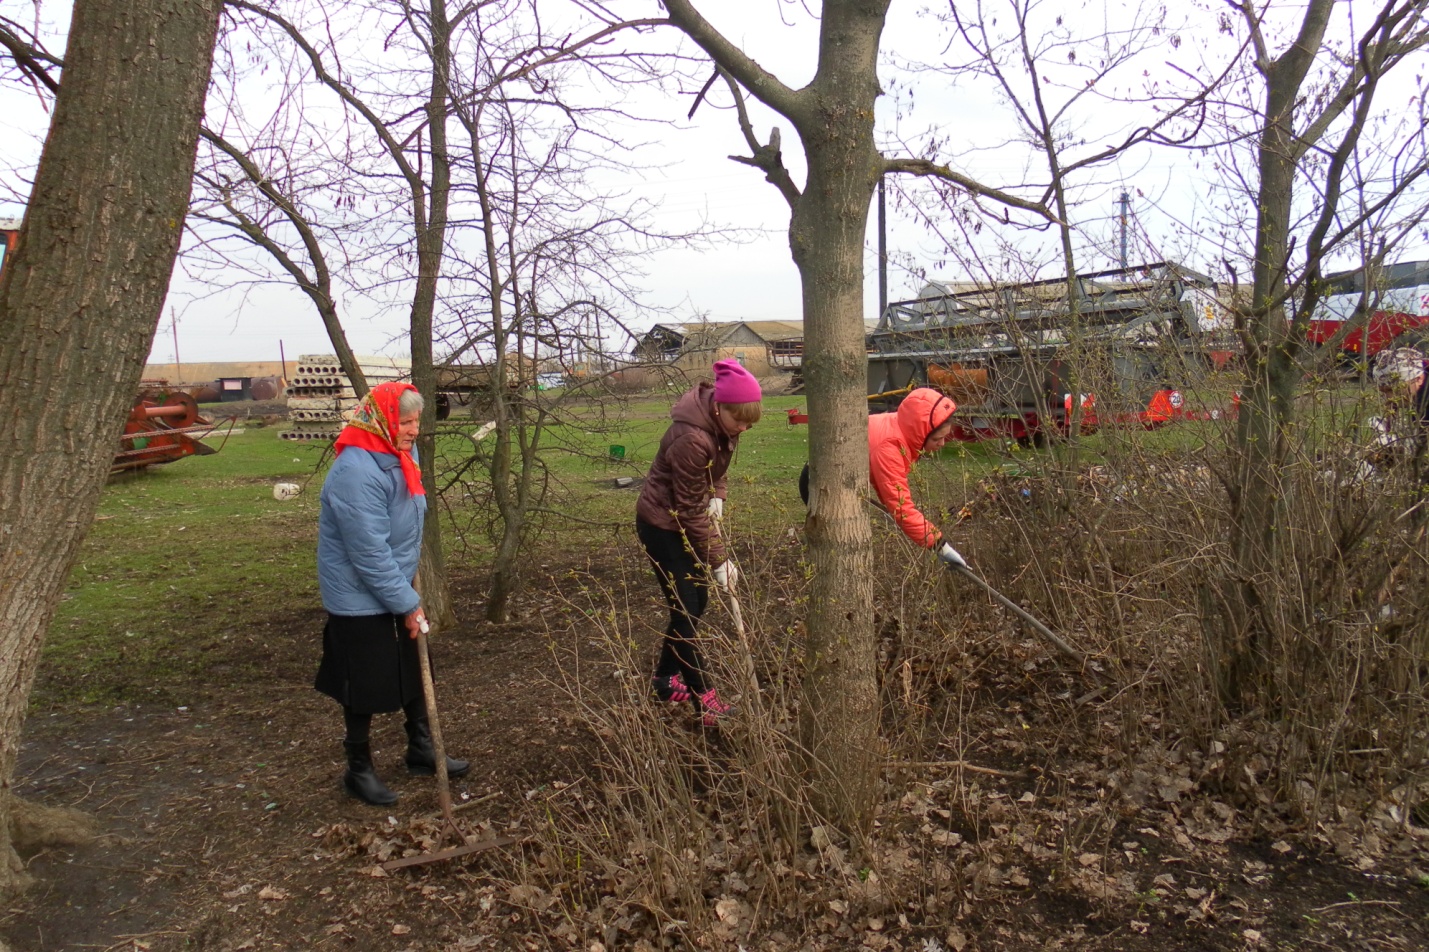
<point x="178" y="369"/>
<point x="883" y="251"/>
<point x="1125" y="202"/>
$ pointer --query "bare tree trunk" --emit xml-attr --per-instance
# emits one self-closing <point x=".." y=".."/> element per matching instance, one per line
<point x="430" y="218"/>
<point x="1253" y="615"/>
<point x="503" y="566"/>
<point x="834" y="118"/>
<point x="1266" y="409"/>
<point x="80" y="303"/>
<point x="839" y="714"/>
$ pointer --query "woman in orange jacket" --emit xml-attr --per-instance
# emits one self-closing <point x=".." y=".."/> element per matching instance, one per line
<point x="921" y="424"/>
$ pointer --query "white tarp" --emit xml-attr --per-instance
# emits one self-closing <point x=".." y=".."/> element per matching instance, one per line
<point x="1341" y="307"/>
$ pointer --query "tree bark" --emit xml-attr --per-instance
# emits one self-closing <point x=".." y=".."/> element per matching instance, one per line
<point x="839" y="713"/>
<point x="1267" y="402"/>
<point x="429" y="215"/>
<point x="80" y="302"/>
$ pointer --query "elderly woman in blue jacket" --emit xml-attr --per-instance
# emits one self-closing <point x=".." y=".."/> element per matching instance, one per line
<point x="369" y="541"/>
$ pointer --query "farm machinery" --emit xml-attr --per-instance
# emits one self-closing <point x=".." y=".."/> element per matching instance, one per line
<point x="163" y="426"/>
<point x="1360" y="321"/>
<point x="1027" y="360"/>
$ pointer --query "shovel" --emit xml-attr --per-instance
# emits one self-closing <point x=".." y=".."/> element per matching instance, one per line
<point x="1041" y="629"/>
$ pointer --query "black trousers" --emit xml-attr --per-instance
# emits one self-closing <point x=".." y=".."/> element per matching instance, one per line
<point x="682" y="580"/>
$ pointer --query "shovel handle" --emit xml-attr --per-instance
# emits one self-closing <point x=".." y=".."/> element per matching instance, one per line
<point x="1022" y="613"/>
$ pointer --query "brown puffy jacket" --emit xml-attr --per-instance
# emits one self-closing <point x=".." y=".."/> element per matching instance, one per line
<point x="688" y="470"/>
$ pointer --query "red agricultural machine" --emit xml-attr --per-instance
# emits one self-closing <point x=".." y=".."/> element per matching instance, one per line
<point x="164" y="426"/>
<point x="9" y="238"/>
<point x="1392" y="312"/>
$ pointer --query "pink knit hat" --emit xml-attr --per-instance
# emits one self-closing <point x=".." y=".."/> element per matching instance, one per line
<point x="734" y="384"/>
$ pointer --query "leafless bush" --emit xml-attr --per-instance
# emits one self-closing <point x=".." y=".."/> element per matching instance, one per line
<point x="1128" y="554"/>
<point x="710" y="834"/>
<point x="1005" y="768"/>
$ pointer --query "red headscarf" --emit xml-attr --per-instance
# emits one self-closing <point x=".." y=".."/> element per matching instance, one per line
<point x="373" y="427"/>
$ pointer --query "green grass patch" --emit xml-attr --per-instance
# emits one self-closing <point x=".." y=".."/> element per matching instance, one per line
<point x="180" y="558"/>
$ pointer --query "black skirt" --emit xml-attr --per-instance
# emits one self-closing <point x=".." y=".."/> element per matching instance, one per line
<point x="369" y="663"/>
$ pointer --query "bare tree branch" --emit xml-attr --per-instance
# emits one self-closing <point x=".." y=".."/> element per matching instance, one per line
<point x="769" y="159"/>
<point x="764" y="86"/>
<point x="928" y="169"/>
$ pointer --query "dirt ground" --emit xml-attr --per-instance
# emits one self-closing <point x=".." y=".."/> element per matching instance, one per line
<point x="225" y="827"/>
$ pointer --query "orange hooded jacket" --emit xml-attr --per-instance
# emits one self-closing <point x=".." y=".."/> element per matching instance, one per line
<point x="894" y="442"/>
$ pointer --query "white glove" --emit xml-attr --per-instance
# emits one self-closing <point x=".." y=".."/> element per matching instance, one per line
<point x="715" y="510"/>
<point x="950" y="555"/>
<point x="725" y="575"/>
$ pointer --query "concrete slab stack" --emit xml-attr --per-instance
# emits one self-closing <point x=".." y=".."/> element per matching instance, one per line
<point x="320" y="395"/>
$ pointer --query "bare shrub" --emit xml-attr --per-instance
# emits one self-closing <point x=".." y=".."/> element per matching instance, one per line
<point x="1006" y="768"/>
<point x="711" y="835"/>
<point x="1129" y="555"/>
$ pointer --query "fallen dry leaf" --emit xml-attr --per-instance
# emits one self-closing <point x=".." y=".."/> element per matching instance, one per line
<point x="269" y="893"/>
<point x="947" y="838"/>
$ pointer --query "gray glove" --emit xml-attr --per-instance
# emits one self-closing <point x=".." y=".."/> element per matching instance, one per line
<point x="715" y="510"/>
<point x="949" y="555"/>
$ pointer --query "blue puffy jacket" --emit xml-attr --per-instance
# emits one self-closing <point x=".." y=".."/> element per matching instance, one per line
<point x="369" y="536"/>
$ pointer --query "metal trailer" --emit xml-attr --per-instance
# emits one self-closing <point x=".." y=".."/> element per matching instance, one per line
<point x="1012" y="355"/>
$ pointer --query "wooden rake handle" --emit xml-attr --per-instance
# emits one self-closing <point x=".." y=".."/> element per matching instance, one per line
<point x="429" y="693"/>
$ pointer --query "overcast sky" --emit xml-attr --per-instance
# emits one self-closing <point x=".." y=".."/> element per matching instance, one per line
<point x="688" y="173"/>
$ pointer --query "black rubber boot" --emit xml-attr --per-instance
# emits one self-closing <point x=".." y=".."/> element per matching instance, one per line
<point x="422" y="757"/>
<point x="361" y="781"/>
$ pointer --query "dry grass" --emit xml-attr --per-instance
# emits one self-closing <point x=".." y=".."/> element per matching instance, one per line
<point x="1002" y="775"/>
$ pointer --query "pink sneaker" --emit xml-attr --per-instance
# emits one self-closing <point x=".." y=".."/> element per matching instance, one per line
<point x="671" y="690"/>
<point x="714" y="709"/>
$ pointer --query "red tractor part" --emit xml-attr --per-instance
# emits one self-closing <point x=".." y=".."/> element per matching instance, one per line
<point x="163" y="426"/>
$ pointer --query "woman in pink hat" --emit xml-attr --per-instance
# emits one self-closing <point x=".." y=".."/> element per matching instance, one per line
<point x="678" y="521"/>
